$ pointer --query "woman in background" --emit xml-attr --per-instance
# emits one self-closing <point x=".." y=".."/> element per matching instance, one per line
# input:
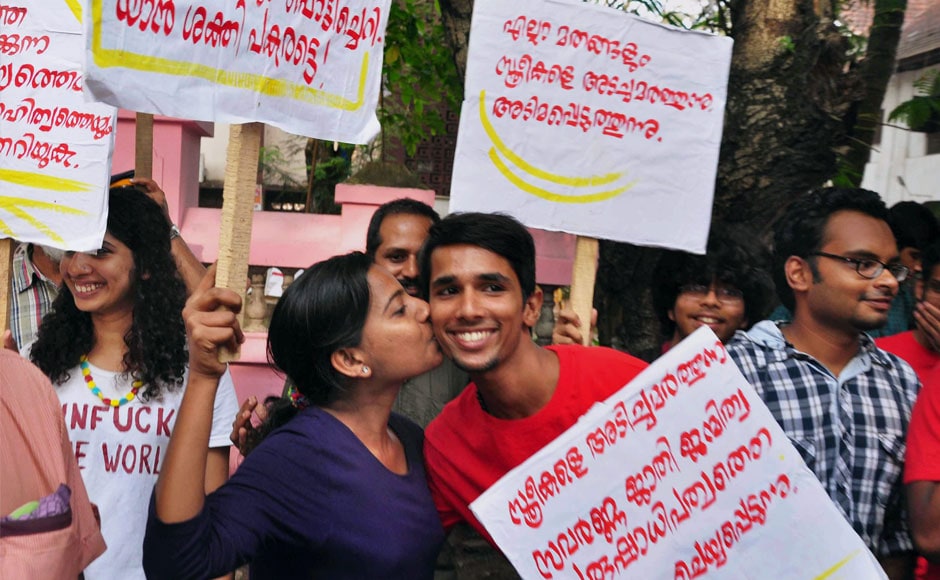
<point x="115" y="348"/>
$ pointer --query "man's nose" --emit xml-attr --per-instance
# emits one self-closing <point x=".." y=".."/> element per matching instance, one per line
<point x="410" y="267"/>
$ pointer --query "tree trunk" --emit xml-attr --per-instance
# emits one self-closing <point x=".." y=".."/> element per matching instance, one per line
<point x="455" y="15"/>
<point x="875" y="72"/>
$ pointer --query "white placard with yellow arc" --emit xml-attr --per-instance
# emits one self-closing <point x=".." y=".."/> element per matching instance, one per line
<point x="309" y="67"/>
<point x="584" y="119"/>
<point x="55" y="148"/>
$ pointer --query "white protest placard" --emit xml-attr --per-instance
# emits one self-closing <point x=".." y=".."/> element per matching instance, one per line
<point x="588" y="120"/>
<point x="682" y="473"/>
<point x="309" y="67"/>
<point x="55" y="148"/>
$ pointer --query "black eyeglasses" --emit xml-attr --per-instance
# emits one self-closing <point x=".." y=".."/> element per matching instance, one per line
<point x="724" y="294"/>
<point x="869" y="267"/>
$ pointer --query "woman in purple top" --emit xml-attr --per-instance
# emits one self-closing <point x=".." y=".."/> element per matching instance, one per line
<point x="337" y="490"/>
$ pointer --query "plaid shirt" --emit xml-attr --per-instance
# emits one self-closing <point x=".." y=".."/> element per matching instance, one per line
<point x="33" y="294"/>
<point x="849" y="429"/>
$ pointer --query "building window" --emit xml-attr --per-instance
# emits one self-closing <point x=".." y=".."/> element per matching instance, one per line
<point x="933" y="143"/>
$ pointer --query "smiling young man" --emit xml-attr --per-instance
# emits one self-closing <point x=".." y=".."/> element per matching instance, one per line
<point x="727" y="289"/>
<point x="844" y="403"/>
<point x="480" y="271"/>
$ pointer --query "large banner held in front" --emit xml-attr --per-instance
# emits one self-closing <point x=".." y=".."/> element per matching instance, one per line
<point x="587" y="120"/>
<point x="55" y="148"/>
<point x="682" y="473"/>
<point x="311" y="68"/>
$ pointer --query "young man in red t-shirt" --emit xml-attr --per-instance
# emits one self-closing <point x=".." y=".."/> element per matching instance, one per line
<point x="480" y="272"/>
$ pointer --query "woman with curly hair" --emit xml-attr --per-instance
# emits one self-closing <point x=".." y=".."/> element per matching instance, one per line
<point x="115" y="347"/>
<point x="337" y="487"/>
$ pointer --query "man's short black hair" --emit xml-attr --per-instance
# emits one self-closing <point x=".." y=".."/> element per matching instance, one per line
<point x="800" y="231"/>
<point x="913" y="225"/>
<point x="930" y="259"/>
<point x="734" y="256"/>
<point x="405" y="206"/>
<point x="501" y="234"/>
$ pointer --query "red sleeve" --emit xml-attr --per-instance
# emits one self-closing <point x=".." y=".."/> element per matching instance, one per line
<point x="922" y="462"/>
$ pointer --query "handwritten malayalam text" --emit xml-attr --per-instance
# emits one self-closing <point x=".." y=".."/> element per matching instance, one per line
<point x="259" y="27"/>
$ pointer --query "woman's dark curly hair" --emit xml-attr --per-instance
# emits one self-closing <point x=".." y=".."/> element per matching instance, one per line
<point x="733" y="256"/>
<point x="156" y="343"/>
<point x="321" y="312"/>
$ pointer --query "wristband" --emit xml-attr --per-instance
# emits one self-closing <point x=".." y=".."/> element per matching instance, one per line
<point x="174" y="232"/>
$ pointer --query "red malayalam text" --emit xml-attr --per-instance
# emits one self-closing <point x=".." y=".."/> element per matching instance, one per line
<point x="59" y="117"/>
<point x="14" y="44"/>
<point x="28" y="76"/>
<point x="356" y="26"/>
<point x="522" y="70"/>
<point x="605" y="520"/>
<point x="712" y="552"/>
<point x="144" y="14"/>
<point x="693" y="443"/>
<point x="536" y="31"/>
<point x="12" y="15"/>
<point x="640" y="486"/>
<point x="609" y="123"/>
<point x="527" y="506"/>
<point x="40" y="151"/>
<point x="630" y="90"/>
<point x="285" y="44"/>
<point x="217" y="30"/>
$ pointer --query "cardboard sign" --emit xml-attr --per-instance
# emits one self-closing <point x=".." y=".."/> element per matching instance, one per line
<point x="309" y="67"/>
<point x="588" y="120"/>
<point x="55" y="148"/>
<point x="682" y="473"/>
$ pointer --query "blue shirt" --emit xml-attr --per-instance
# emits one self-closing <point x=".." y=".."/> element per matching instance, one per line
<point x="310" y="502"/>
<point x="850" y="429"/>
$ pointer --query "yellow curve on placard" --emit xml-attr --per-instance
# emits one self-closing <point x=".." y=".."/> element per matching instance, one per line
<point x="549" y="195"/>
<point x="12" y="203"/>
<point x="836" y="567"/>
<point x="531" y="169"/>
<point x="36" y="224"/>
<point x="76" y="9"/>
<point x="108" y="58"/>
<point x="41" y="181"/>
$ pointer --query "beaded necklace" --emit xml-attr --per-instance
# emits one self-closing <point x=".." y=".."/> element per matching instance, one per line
<point x="86" y="372"/>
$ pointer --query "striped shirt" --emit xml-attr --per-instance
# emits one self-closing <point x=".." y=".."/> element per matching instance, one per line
<point x="33" y="294"/>
<point x="850" y="429"/>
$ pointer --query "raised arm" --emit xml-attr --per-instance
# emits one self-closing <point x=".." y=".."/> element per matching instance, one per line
<point x="211" y="321"/>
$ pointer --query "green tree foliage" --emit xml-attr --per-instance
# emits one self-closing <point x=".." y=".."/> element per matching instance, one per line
<point x="419" y="74"/>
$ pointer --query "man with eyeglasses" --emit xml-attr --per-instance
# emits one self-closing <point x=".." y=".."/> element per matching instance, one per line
<point x="843" y="402"/>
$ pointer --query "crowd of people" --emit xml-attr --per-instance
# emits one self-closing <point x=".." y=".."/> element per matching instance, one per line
<point x="340" y="481"/>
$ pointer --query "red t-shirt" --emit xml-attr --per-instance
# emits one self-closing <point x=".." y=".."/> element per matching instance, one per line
<point x="467" y="450"/>
<point x="922" y="462"/>
<point x="903" y="344"/>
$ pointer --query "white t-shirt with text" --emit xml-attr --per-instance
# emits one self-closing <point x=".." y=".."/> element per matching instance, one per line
<point x="120" y="451"/>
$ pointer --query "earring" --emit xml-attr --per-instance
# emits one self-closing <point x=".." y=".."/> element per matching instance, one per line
<point x="365" y="370"/>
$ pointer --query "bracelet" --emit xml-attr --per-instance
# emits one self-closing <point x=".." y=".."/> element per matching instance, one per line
<point x="174" y="232"/>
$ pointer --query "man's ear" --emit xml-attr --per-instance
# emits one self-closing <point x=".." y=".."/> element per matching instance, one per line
<point x="799" y="274"/>
<point x="532" y="308"/>
<point x="350" y="362"/>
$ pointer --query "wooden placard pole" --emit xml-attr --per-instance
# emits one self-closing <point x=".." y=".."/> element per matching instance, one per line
<point x="583" y="275"/>
<point x="238" y="197"/>
<point x="6" y="276"/>
<point x="143" y="146"/>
